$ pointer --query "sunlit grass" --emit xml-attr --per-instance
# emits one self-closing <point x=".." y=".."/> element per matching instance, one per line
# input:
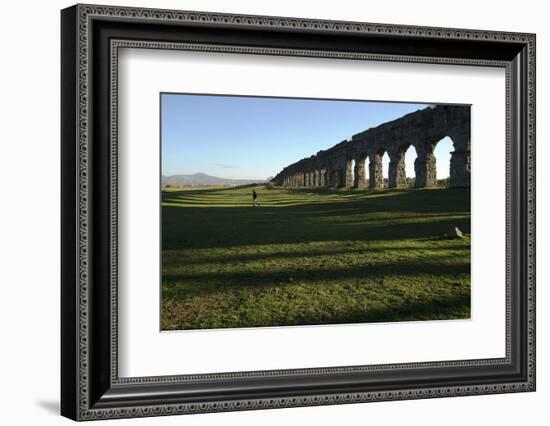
<point x="313" y="257"/>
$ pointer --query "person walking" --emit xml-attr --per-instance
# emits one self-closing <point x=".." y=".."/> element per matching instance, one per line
<point x="254" y="198"/>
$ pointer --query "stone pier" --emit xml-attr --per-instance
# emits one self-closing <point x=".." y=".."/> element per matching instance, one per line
<point x="345" y="164"/>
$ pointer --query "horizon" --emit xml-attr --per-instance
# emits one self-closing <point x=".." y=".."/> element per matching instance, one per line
<point x="217" y="177"/>
<point x="254" y="138"/>
<point x="201" y="173"/>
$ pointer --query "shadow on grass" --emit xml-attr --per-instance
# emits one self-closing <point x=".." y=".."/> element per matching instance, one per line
<point x="452" y="307"/>
<point x="221" y="281"/>
<point x="314" y="252"/>
<point x="216" y="228"/>
<point x="414" y="214"/>
<point x="342" y="224"/>
<point x="456" y="306"/>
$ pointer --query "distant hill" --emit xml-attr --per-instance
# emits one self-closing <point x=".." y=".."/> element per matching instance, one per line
<point x="204" y="179"/>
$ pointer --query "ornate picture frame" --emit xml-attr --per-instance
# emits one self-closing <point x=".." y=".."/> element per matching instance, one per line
<point x="90" y="39"/>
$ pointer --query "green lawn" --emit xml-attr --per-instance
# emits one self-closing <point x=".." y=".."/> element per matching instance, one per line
<point x="313" y="256"/>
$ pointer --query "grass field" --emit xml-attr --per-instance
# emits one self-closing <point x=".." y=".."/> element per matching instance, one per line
<point x="313" y="256"/>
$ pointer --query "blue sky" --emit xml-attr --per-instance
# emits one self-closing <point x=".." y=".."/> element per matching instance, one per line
<point x="255" y="138"/>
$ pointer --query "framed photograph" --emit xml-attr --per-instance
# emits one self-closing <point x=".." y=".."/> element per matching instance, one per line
<point x="263" y="212"/>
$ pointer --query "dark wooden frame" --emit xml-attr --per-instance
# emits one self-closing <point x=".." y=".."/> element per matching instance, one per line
<point x="90" y="386"/>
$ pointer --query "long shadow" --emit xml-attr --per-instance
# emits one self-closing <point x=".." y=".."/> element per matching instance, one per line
<point x="249" y="257"/>
<point x="417" y="201"/>
<point x="344" y="194"/>
<point x="342" y="191"/>
<point x="216" y="282"/>
<point x="452" y="307"/>
<point x="352" y="216"/>
<point x="441" y="308"/>
<point x="218" y="227"/>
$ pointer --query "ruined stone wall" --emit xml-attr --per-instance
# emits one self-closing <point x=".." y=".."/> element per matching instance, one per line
<point x="348" y="163"/>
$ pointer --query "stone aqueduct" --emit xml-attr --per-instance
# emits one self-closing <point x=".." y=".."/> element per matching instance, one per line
<point x="423" y="129"/>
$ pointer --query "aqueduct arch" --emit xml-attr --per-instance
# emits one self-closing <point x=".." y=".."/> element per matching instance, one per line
<point x="346" y="163"/>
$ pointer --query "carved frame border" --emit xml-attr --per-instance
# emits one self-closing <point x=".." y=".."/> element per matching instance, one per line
<point x="85" y="409"/>
<point x="118" y="44"/>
